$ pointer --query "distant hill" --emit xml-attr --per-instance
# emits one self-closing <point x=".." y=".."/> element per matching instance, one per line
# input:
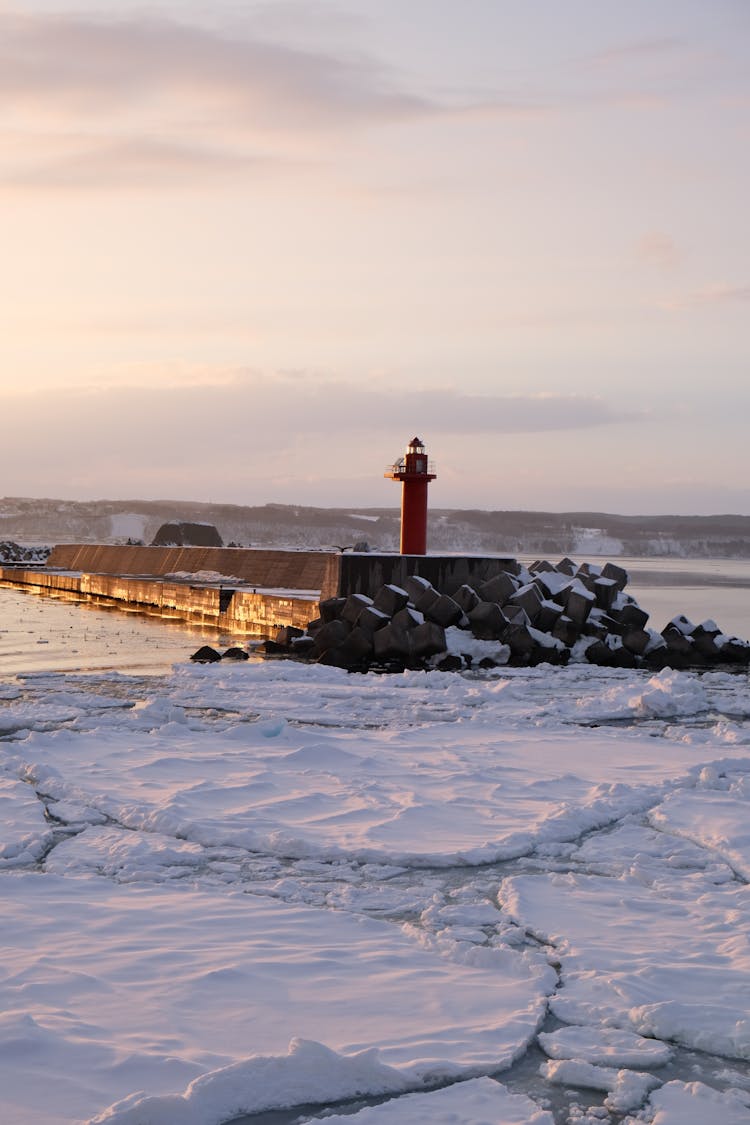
<point x="546" y="534"/>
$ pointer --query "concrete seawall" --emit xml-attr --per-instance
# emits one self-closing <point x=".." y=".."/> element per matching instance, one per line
<point x="242" y="590"/>
<point x="287" y="570"/>
<point x="246" y="611"/>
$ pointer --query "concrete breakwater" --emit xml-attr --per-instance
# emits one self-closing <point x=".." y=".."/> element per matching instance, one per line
<point x="545" y="613"/>
<point x="238" y="590"/>
<point x="246" y="611"/>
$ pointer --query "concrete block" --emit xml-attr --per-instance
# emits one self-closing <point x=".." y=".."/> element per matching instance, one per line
<point x="427" y="639"/>
<point x="529" y="599"/>
<point x="521" y="644"/>
<point x="635" y="640"/>
<point x="391" y="642"/>
<point x="566" y="630"/>
<point x="618" y="575"/>
<point x="415" y="586"/>
<point x="408" y="618"/>
<point x="353" y="606"/>
<point x="632" y="614"/>
<point x="516" y="615"/>
<point x="566" y="566"/>
<point x="444" y="611"/>
<point x="330" y="608"/>
<point x="578" y="605"/>
<point x="605" y="591"/>
<point x="735" y="651"/>
<point x="548" y="615"/>
<point x="390" y="599"/>
<point x="600" y="653"/>
<point x="426" y="599"/>
<point x="488" y="622"/>
<point x="357" y="647"/>
<point x="371" y="619"/>
<point x="466" y="597"/>
<point x="498" y="589"/>
<point x="331" y="635"/>
<point x="553" y="585"/>
<point x="540" y="566"/>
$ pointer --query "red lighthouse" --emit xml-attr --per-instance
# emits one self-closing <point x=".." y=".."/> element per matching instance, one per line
<point x="414" y="470"/>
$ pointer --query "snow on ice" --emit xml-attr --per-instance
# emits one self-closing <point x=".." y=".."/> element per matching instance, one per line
<point x="240" y="889"/>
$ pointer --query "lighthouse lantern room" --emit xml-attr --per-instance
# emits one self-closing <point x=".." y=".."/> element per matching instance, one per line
<point x="415" y="472"/>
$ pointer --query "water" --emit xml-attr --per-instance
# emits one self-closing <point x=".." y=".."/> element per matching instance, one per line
<point x="42" y="632"/>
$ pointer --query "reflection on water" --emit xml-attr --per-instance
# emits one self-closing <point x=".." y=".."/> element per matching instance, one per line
<point x="699" y="588"/>
<point x="42" y="632"/>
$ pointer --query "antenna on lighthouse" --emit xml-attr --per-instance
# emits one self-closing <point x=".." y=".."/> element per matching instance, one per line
<point x="415" y="472"/>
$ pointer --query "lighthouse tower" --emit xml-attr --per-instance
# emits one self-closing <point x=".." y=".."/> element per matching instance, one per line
<point x="414" y="470"/>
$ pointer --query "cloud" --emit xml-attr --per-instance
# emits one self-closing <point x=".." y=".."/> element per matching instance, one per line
<point x="93" y="67"/>
<point x="254" y="424"/>
<point x="659" y="249"/>
<point x="254" y="439"/>
<point x="720" y="293"/>
<point x="119" y="101"/>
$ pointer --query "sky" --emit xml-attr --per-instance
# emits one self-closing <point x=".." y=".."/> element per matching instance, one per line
<point x="250" y="249"/>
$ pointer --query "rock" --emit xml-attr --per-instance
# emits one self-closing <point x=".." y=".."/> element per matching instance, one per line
<point x="450" y="663"/>
<point x="286" y="634"/>
<point x="183" y="533"/>
<point x="206" y="655"/>
<point x="236" y="653"/>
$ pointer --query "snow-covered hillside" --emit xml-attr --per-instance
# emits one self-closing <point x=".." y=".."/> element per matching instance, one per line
<point x="546" y="534"/>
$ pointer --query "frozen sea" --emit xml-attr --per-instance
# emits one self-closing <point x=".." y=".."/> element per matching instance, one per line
<point x="271" y="893"/>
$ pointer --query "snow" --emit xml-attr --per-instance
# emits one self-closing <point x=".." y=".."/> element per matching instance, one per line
<point x="127" y="525"/>
<point x="241" y="888"/>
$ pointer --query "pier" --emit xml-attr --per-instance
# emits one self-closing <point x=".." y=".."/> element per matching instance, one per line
<point x="240" y="590"/>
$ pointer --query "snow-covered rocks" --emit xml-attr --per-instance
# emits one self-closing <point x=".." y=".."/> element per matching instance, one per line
<point x="546" y="614"/>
